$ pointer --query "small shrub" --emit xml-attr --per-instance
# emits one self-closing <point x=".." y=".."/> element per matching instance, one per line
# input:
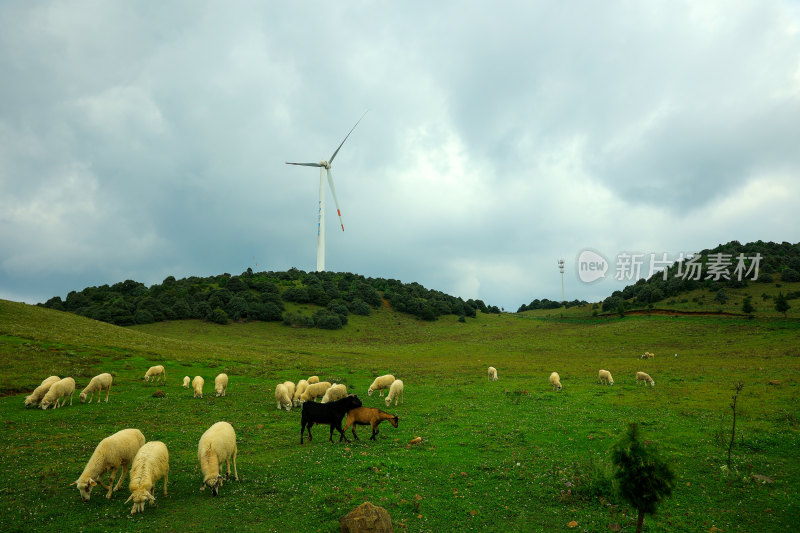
<point x="297" y="320"/>
<point x="326" y="320"/>
<point x="219" y="316"/>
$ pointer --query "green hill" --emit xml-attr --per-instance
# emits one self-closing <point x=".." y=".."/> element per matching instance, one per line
<point x="694" y="289"/>
<point x="263" y="296"/>
<point x="719" y="281"/>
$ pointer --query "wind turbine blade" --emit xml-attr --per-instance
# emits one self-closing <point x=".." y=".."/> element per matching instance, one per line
<point x="305" y="164"/>
<point x="335" y="200"/>
<point x="345" y="138"/>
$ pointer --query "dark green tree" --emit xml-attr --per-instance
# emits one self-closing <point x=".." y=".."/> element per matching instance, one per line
<point x="747" y="305"/>
<point x="55" y="303"/>
<point x="359" y="307"/>
<point x="643" y="477"/>
<point x="269" y="311"/>
<point x="781" y="305"/>
<point x="790" y="274"/>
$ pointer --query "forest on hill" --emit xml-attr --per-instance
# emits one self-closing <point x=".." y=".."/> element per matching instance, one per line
<point x="727" y="266"/>
<point x="714" y="269"/>
<point x="263" y="296"/>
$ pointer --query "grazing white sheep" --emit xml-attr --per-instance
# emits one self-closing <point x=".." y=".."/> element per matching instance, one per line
<point x="282" y="397"/>
<point x="221" y="384"/>
<point x="299" y="390"/>
<point x="605" y="377"/>
<point x="315" y="390"/>
<point x="99" y="383"/>
<point x="313" y="379"/>
<point x="492" y="373"/>
<point x="290" y="388"/>
<point x="33" y="399"/>
<point x="197" y="385"/>
<point x="155" y="372"/>
<point x="186" y="381"/>
<point x="114" y="452"/>
<point x="336" y="392"/>
<point x="555" y="381"/>
<point x="58" y="392"/>
<point x="217" y="444"/>
<point x="644" y="378"/>
<point x="150" y="464"/>
<point x="381" y="382"/>
<point x="395" y="392"/>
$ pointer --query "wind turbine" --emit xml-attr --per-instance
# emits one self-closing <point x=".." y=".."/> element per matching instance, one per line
<point x="325" y="168"/>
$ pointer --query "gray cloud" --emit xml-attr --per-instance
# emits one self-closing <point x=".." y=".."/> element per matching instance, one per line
<point x="140" y="141"/>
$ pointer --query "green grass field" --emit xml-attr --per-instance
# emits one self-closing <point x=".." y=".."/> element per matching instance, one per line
<point x="509" y="455"/>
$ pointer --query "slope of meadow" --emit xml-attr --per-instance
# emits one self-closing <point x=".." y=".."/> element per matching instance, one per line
<point x="509" y="455"/>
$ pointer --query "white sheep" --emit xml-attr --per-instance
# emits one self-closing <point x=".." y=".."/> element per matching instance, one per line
<point x="58" y="392"/>
<point x="197" y="386"/>
<point x="315" y="390"/>
<point x="217" y="444"/>
<point x="336" y="392"/>
<point x="113" y="452"/>
<point x="605" y="377"/>
<point x="33" y="399"/>
<point x="644" y="378"/>
<point x="220" y="384"/>
<point x="555" y="381"/>
<point x="290" y="388"/>
<point x="99" y="383"/>
<point x="298" y="391"/>
<point x="492" y="373"/>
<point x="395" y="392"/>
<point x="313" y="379"/>
<point x="150" y="464"/>
<point x="381" y="382"/>
<point x="155" y="372"/>
<point x="282" y="397"/>
<point x="186" y="381"/>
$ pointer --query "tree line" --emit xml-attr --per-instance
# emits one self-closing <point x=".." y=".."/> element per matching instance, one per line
<point x="261" y="296"/>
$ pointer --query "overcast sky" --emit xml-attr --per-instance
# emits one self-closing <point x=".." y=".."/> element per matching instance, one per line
<point x="140" y="140"/>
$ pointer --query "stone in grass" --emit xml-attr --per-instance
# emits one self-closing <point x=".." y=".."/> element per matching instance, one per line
<point x="366" y="518"/>
<point x="159" y="394"/>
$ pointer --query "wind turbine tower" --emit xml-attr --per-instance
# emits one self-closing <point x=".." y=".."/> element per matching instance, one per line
<point x="325" y="168"/>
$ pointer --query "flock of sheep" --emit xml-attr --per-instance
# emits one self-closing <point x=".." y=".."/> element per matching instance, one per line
<point x="288" y="394"/>
<point x="603" y="376"/>
<point x="148" y="462"/>
<point x="55" y="391"/>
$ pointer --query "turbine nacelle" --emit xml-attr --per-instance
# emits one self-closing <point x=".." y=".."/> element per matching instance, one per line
<point x="325" y="165"/>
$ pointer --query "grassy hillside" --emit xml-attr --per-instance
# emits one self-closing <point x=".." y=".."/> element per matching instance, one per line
<point x="509" y="455"/>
